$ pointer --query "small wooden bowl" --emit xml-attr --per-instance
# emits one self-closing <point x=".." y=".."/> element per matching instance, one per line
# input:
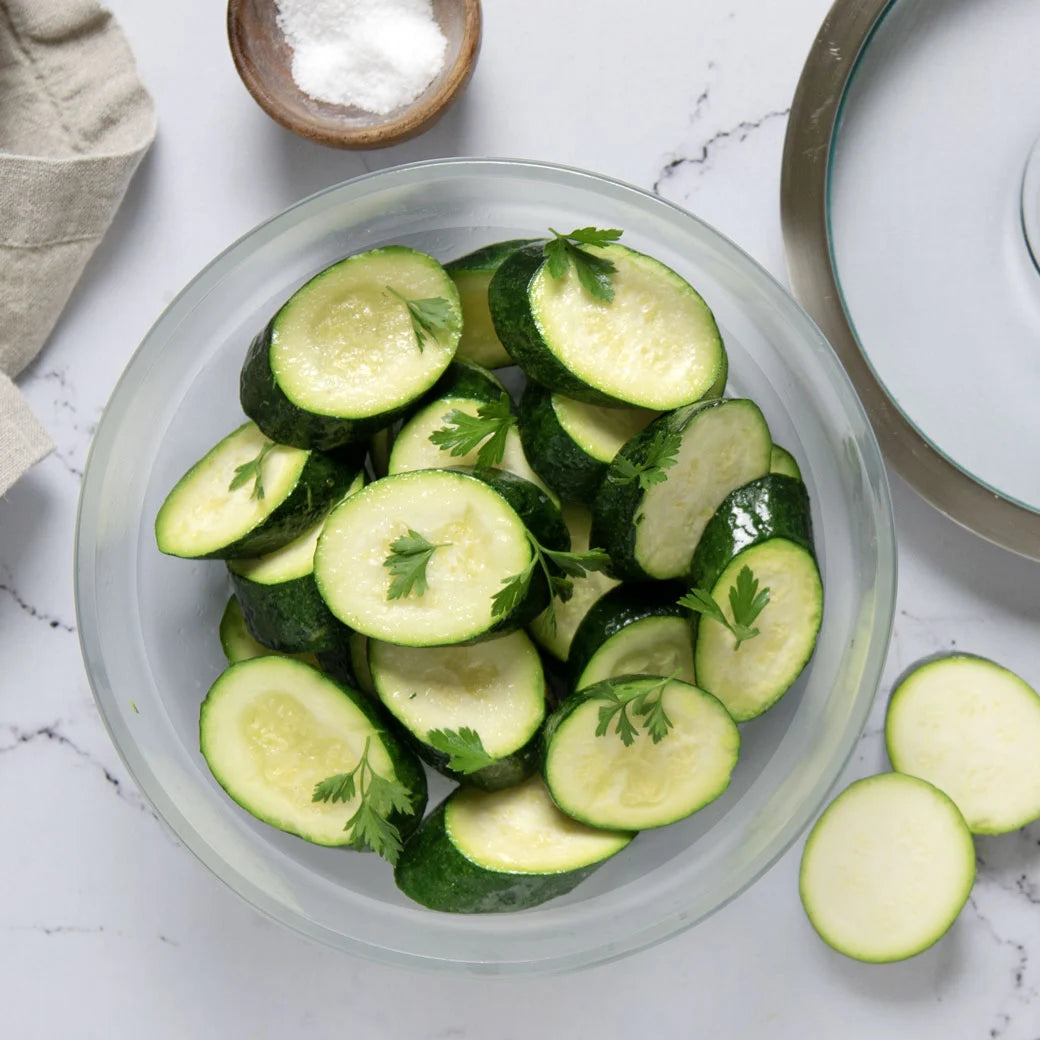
<point x="264" y="62"/>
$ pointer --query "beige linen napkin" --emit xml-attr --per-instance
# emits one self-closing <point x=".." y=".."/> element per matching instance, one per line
<point x="74" y="123"/>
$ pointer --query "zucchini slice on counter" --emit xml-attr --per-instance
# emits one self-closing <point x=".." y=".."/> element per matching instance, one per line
<point x="971" y="728"/>
<point x="476" y="542"/>
<point x="279" y="599"/>
<point x="783" y="462"/>
<point x="471" y="274"/>
<point x="714" y="447"/>
<point x="494" y="852"/>
<point x="636" y="751"/>
<point x="570" y="443"/>
<point x="248" y="496"/>
<point x="887" y="868"/>
<point x="569" y="613"/>
<point x="271" y="728"/>
<point x="654" y="345"/>
<point x="348" y="353"/>
<point x="495" y="689"/>
<point x="633" y="629"/>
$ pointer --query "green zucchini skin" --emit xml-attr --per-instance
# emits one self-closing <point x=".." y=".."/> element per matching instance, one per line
<point x="490" y="257"/>
<point x="465" y="378"/>
<point x="434" y="873"/>
<point x="774" y="506"/>
<point x="321" y="482"/>
<point x="504" y="772"/>
<point x="615" y="611"/>
<point x="571" y="472"/>
<point x="518" y="331"/>
<point x="264" y="401"/>
<point x="290" y="616"/>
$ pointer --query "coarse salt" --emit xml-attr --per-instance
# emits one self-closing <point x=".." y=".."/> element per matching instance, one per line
<point x="376" y="55"/>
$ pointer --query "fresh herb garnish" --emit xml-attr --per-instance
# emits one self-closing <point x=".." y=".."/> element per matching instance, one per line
<point x="251" y="471"/>
<point x="641" y="699"/>
<point x="428" y="316"/>
<point x="489" y="428"/>
<point x="407" y="561"/>
<point x="464" y="746"/>
<point x="370" y="826"/>
<point x="593" y="270"/>
<point x="573" y="565"/>
<point x="746" y="602"/>
<point x="661" y="454"/>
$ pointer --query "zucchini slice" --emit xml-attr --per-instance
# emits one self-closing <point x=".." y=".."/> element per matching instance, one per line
<point x="633" y="629"/>
<point x="604" y="782"/>
<point x="414" y="450"/>
<point x="569" y="613"/>
<point x="465" y="378"/>
<point x="471" y="274"/>
<point x="754" y="677"/>
<point x="495" y="688"/>
<point x="652" y="532"/>
<point x="357" y="651"/>
<point x="481" y="540"/>
<point x="783" y="462"/>
<point x="271" y="728"/>
<point x="655" y="345"/>
<point x="484" y="852"/>
<point x="279" y="599"/>
<point x="887" y="868"/>
<point x="239" y="644"/>
<point x="971" y="728"/>
<point x="342" y="358"/>
<point x="203" y="518"/>
<point x="774" y="506"/>
<point x="570" y="443"/>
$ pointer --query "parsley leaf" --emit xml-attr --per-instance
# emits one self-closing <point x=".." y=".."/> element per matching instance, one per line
<point x="407" y="561"/>
<point x="428" y="316"/>
<point x="464" y="746"/>
<point x="461" y="432"/>
<point x="746" y="602"/>
<point x="661" y="454"/>
<point x="593" y="270"/>
<point x="573" y="565"/>
<point x="646" y="703"/>
<point x="251" y="471"/>
<point x="370" y="826"/>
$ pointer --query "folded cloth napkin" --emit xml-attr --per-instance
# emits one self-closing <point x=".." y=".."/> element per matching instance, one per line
<point x="74" y="123"/>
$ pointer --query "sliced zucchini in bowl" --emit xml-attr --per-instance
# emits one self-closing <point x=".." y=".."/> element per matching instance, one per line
<point x="248" y="496"/>
<point x="636" y="751"/>
<point x="654" y="345"/>
<point x="484" y="852"/>
<point x="495" y="690"/>
<point x="272" y="728"/>
<point x="632" y="629"/>
<point x="476" y="542"/>
<point x="472" y="274"/>
<point x="347" y="353"/>
<point x="700" y="454"/>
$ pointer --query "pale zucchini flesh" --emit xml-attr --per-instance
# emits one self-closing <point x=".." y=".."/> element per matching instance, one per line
<point x="723" y="447"/>
<point x="496" y="688"/>
<point x="752" y="678"/>
<point x="344" y="345"/>
<point x="655" y="345"/>
<point x="483" y="543"/>
<point x="887" y="868"/>
<point x="599" y="431"/>
<point x="971" y="728"/>
<point x="606" y="783"/>
<point x="653" y="646"/>
<point x="271" y="728"/>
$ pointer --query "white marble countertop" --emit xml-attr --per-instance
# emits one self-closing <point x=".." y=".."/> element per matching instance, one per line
<point x="109" y="927"/>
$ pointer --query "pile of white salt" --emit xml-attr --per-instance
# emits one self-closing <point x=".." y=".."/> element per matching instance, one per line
<point x="374" y="54"/>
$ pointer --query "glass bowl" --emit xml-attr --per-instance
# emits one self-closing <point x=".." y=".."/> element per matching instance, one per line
<point x="148" y="623"/>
